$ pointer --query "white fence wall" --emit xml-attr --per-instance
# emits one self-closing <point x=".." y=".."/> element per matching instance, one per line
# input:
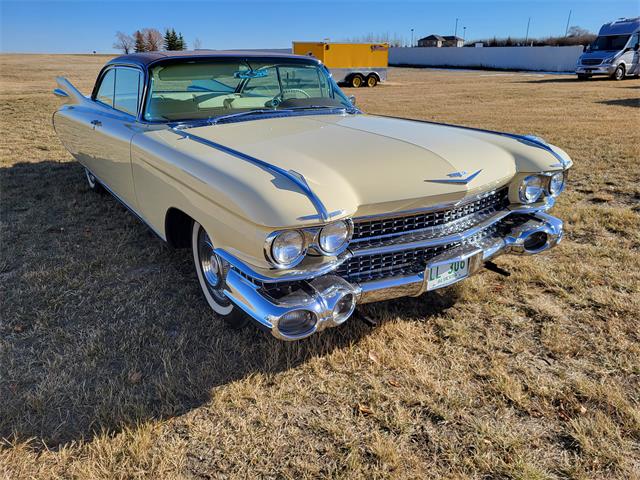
<point x="547" y="59"/>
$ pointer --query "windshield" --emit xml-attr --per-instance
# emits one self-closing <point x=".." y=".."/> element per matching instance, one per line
<point x="202" y="90"/>
<point x="610" y="42"/>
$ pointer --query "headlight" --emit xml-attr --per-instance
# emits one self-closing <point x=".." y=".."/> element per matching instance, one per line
<point x="287" y="248"/>
<point x="531" y="189"/>
<point x="556" y="183"/>
<point x="333" y="237"/>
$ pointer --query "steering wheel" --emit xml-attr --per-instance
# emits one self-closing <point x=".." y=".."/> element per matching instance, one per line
<point x="294" y="90"/>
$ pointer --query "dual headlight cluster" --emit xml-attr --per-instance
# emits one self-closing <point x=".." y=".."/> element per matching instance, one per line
<point x="533" y="187"/>
<point x="287" y="248"/>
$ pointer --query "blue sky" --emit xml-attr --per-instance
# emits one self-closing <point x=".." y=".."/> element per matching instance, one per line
<point x="82" y="26"/>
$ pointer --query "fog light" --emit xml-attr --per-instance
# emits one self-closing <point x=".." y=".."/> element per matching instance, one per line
<point x="535" y="241"/>
<point x="344" y="308"/>
<point x="297" y="323"/>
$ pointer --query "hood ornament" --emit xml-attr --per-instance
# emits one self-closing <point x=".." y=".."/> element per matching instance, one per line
<point x="461" y="178"/>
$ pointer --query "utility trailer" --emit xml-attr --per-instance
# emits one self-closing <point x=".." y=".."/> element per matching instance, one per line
<point x="355" y="64"/>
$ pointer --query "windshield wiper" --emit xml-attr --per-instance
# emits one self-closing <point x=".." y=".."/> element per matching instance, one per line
<point x="214" y="120"/>
<point x="321" y="107"/>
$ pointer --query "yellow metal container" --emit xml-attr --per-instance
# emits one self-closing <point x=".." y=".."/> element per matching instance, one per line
<point x="357" y="64"/>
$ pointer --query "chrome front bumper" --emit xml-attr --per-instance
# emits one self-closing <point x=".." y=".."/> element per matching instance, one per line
<point x="321" y="295"/>
<point x="602" y="69"/>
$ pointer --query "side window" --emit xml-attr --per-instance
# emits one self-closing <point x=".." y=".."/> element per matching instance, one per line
<point x="105" y="92"/>
<point x="127" y="91"/>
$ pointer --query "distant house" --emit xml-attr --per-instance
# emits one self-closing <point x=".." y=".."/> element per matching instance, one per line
<point x="453" y="41"/>
<point x="440" y="41"/>
<point x="431" y="41"/>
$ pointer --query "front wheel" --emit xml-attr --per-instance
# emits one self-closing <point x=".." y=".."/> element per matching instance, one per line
<point x="619" y="73"/>
<point x="210" y="270"/>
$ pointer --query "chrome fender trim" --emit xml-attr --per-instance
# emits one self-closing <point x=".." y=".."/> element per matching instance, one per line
<point x="295" y="177"/>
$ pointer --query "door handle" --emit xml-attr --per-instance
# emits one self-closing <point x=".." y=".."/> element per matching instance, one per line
<point x="96" y="123"/>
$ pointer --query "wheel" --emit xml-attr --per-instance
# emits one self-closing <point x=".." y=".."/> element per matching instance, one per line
<point x="583" y="76"/>
<point x="93" y="182"/>
<point x="619" y="73"/>
<point x="210" y="271"/>
<point x="372" y="80"/>
<point x="357" y="80"/>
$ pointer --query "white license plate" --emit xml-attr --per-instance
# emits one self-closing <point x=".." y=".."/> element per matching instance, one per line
<point x="445" y="274"/>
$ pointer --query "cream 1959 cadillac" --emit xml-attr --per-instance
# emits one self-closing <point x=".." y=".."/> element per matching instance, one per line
<point x="296" y="205"/>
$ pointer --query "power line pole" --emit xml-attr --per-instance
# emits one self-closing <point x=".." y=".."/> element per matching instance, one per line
<point x="566" y="30"/>
<point x="455" y="32"/>
<point x="526" y="37"/>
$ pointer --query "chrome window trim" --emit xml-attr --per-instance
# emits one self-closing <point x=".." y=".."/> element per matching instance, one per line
<point x="101" y="76"/>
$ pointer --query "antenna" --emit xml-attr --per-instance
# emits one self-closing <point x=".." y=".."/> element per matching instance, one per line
<point x="526" y="37"/>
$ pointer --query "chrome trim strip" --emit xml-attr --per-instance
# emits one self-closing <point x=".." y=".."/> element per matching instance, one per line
<point x="432" y="208"/>
<point x="401" y="242"/>
<point x="287" y="275"/>
<point x="296" y="178"/>
<point x="126" y="205"/>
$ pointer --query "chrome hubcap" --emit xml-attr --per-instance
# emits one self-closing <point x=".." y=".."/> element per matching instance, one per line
<point x="211" y="267"/>
<point x="90" y="178"/>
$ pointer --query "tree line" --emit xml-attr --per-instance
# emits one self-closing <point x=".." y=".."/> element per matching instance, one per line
<point x="151" y="40"/>
<point x="575" y="36"/>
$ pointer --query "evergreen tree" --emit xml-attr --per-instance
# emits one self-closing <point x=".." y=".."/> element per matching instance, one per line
<point x="181" y="44"/>
<point x="140" y="43"/>
<point x="167" y="42"/>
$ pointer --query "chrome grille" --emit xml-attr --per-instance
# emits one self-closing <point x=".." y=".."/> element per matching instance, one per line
<point x="363" y="268"/>
<point x="381" y="227"/>
<point x="591" y="61"/>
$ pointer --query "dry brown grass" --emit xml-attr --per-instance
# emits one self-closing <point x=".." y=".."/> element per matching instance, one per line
<point x="111" y="365"/>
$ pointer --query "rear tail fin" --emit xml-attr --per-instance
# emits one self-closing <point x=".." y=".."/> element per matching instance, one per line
<point x="67" y="91"/>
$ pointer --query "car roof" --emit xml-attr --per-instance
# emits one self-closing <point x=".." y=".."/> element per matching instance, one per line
<point x="147" y="58"/>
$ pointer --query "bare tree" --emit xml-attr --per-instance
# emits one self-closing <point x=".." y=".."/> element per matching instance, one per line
<point x="153" y="39"/>
<point x="124" y="42"/>
<point x="197" y="44"/>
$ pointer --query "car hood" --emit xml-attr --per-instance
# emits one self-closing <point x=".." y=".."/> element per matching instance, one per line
<point x="598" y="55"/>
<point x="363" y="164"/>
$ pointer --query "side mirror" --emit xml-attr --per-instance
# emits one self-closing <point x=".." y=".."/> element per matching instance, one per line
<point x="352" y="99"/>
<point x="636" y="47"/>
<point x="58" y="92"/>
<point x="586" y="48"/>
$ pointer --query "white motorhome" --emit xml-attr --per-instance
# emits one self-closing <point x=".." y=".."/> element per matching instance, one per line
<point x="615" y="52"/>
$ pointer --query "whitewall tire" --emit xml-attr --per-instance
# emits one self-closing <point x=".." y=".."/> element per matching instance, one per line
<point x="210" y="272"/>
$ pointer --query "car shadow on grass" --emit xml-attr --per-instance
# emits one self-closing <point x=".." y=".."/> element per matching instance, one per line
<point x="622" y="102"/>
<point x="102" y="326"/>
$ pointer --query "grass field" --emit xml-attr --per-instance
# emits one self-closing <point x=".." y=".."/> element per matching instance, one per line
<point x="112" y="366"/>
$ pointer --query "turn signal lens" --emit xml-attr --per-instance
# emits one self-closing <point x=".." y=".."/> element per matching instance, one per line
<point x="296" y="323"/>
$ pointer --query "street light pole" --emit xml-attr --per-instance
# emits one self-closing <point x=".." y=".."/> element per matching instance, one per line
<point x="526" y="37"/>
<point x="464" y="35"/>
<point x="455" y="32"/>
<point x="566" y="30"/>
<point x="411" y="38"/>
